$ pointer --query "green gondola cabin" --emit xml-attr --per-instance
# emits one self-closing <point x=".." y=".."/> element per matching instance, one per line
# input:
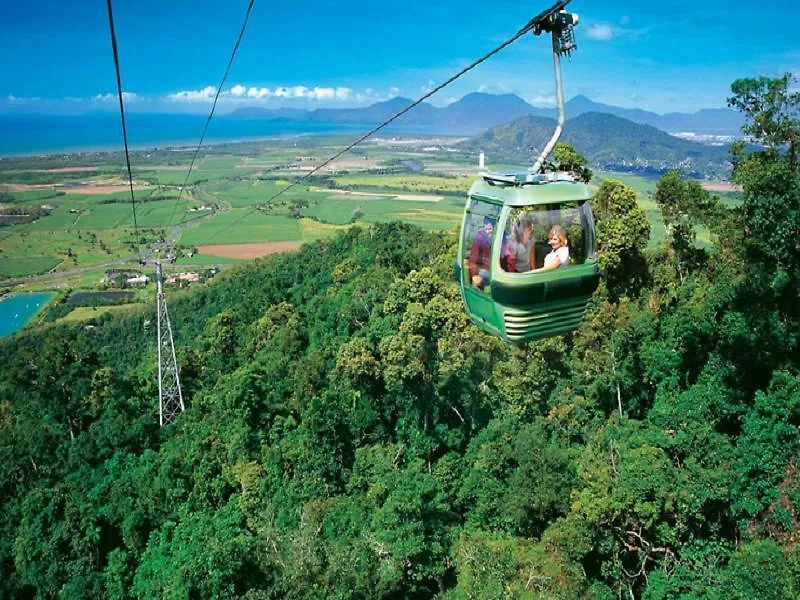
<point x="520" y="300"/>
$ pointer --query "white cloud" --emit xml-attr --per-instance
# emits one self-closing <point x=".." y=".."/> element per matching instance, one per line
<point x="258" y="93"/>
<point x="126" y="96"/>
<point x="600" y="32"/>
<point x="393" y="91"/>
<point x="296" y="91"/>
<point x="542" y="100"/>
<point x="494" y="88"/>
<point x="205" y="95"/>
<point x="428" y="86"/>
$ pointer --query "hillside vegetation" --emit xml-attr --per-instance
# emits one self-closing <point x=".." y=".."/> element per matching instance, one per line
<point x="348" y="434"/>
<point x="608" y="142"/>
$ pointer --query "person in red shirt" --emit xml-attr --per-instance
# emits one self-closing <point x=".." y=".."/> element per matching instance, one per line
<point x="480" y="254"/>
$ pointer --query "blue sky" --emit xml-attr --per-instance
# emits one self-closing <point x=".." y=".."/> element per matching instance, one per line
<point x="662" y="55"/>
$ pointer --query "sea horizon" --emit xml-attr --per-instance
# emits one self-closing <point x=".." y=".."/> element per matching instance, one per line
<point x="41" y="135"/>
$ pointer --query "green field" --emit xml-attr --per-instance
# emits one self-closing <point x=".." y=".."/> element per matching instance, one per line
<point x="84" y="313"/>
<point x="23" y="266"/>
<point x="231" y="199"/>
<point x="240" y="226"/>
<point x="407" y="182"/>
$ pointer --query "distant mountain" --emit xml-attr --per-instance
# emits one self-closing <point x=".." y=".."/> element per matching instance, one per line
<point x="478" y="111"/>
<point x="370" y="115"/>
<point x="484" y="110"/>
<point x="607" y="141"/>
<point x="473" y="113"/>
<point x="709" y="121"/>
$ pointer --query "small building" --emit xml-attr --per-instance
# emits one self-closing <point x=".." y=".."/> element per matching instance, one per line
<point x="139" y="280"/>
<point x="187" y="277"/>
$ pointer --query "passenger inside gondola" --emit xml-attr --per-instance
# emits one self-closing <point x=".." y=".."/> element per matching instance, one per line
<point x="519" y="252"/>
<point x="559" y="249"/>
<point x="480" y="254"/>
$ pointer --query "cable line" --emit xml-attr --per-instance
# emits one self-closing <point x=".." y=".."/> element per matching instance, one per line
<point x="211" y="114"/>
<point x="529" y="26"/>
<point x="124" y="130"/>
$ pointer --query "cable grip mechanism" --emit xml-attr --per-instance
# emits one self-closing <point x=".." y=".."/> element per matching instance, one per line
<point x="562" y="26"/>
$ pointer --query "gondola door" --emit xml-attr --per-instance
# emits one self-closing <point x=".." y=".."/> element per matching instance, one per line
<point x="479" y="235"/>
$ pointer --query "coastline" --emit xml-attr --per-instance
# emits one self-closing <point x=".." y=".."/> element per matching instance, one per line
<point x="41" y="135"/>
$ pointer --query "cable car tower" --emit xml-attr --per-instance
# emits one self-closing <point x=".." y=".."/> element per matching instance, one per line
<point x="170" y="397"/>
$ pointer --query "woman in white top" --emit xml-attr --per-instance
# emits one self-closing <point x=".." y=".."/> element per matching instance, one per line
<point x="559" y="249"/>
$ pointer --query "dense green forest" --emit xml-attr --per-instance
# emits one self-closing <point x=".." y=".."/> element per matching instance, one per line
<point x="348" y="433"/>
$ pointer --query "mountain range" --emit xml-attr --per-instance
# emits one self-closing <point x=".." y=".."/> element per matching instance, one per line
<point x="477" y="111"/>
<point x="608" y="142"/>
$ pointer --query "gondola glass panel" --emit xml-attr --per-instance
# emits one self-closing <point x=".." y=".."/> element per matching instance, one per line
<point x="479" y="232"/>
<point x="515" y="282"/>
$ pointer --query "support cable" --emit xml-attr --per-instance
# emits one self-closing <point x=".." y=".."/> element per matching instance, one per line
<point x="529" y="26"/>
<point x="211" y="114"/>
<point x="124" y="130"/>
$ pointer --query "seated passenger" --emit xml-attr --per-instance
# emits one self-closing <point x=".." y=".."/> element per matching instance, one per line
<point x="480" y="254"/>
<point x="518" y="247"/>
<point x="559" y="253"/>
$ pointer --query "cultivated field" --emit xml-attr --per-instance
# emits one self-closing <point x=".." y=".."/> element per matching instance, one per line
<point x="75" y="212"/>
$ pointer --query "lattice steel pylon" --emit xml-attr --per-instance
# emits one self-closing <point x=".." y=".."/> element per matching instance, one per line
<point x="170" y="398"/>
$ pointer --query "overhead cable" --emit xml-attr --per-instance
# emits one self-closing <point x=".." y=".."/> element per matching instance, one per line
<point x="526" y="29"/>
<point x="213" y="107"/>
<point x="124" y="130"/>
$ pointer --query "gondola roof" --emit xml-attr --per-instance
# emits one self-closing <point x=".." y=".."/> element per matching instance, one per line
<point x="522" y="189"/>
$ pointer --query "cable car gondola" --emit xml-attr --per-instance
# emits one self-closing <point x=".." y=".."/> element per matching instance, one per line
<point x="527" y="262"/>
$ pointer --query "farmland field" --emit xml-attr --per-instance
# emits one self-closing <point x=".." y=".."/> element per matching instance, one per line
<point x="21" y="266"/>
<point x="236" y="195"/>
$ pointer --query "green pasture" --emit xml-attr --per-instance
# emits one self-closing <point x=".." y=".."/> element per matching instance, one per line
<point x="338" y="210"/>
<point x="240" y="226"/>
<point x="421" y="217"/>
<point x="87" y="211"/>
<point x="250" y="193"/>
<point x="243" y="193"/>
<point x="85" y="229"/>
<point x="406" y="182"/>
<point x="179" y="177"/>
<point x="85" y="313"/>
<point x="21" y="266"/>
<point x="34" y="252"/>
<point x="314" y="230"/>
<point x="730" y="199"/>
<point x="35" y="196"/>
<point x="206" y="260"/>
<point x="38" y="177"/>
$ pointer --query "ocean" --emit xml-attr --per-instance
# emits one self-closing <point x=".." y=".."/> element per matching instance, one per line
<point x="51" y="134"/>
